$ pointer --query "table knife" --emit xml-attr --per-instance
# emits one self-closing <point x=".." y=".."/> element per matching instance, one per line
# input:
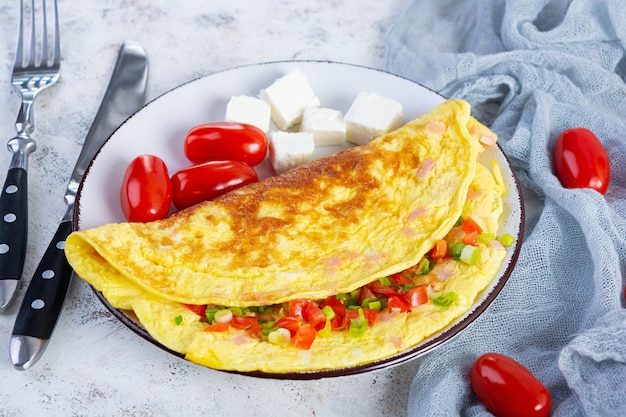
<point x="48" y="287"/>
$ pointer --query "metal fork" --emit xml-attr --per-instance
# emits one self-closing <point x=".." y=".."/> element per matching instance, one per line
<point x="37" y="66"/>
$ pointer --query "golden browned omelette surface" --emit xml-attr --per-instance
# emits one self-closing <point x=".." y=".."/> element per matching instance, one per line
<point x="327" y="227"/>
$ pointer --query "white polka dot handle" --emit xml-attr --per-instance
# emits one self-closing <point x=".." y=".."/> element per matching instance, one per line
<point x="45" y="294"/>
<point x="13" y="233"/>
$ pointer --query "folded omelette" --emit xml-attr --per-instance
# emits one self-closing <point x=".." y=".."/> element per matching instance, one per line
<point x="361" y="222"/>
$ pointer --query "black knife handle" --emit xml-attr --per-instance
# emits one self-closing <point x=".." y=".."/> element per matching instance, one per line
<point x="46" y="292"/>
<point x="13" y="230"/>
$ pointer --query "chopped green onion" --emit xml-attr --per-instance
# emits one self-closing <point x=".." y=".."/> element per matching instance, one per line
<point x="470" y="255"/>
<point x="355" y="293"/>
<point x="459" y="221"/>
<point x="455" y="250"/>
<point x="444" y="300"/>
<point x="374" y="305"/>
<point x="506" y="240"/>
<point x="358" y="326"/>
<point x="385" y="281"/>
<point x="267" y="328"/>
<point x="210" y="314"/>
<point x="407" y="286"/>
<point x="342" y="296"/>
<point x="326" y="330"/>
<point x="328" y="312"/>
<point x="485" y="238"/>
<point x="425" y="266"/>
<point x="178" y="319"/>
<point x="237" y="311"/>
<point x="279" y="336"/>
<point x="223" y="316"/>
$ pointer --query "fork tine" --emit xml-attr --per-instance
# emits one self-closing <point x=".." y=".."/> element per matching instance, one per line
<point x="19" y="51"/>
<point x="44" y="39"/>
<point x="57" y="39"/>
<point x="33" y="35"/>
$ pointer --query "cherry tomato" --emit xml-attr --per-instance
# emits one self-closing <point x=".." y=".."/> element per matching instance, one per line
<point x="226" y="141"/>
<point x="202" y="182"/>
<point x="146" y="192"/>
<point x="580" y="160"/>
<point x="507" y="388"/>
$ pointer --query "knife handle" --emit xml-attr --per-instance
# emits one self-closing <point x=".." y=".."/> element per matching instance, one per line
<point x="13" y="233"/>
<point x="46" y="292"/>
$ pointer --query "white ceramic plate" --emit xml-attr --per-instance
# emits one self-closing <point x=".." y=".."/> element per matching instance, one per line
<point x="159" y="128"/>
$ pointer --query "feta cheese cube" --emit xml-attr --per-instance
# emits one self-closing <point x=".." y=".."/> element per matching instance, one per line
<point x="371" y="116"/>
<point x="288" y="96"/>
<point x="290" y="149"/>
<point x="326" y="125"/>
<point x="250" y="110"/>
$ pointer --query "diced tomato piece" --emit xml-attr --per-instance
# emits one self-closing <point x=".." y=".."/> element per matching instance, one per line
<point x="401" y="279"/>
<point x="199" y="310"/>
<point x="297" y="307"/>
<point x="417" y="296"/>
<point x="366" y="293"/>
<point x="371" y="315"/>
<point x="379" y="288"/>
<point x="340" y="310"/>
<point x="217" y="327"/>
<point x="470" y="238"/>
<point x="249" y="323"/>
<point x="469" y="225"/>
<point x="411" y="270"/>
<point x="313" y="314"/>
<point x="398" y="303"/>
<point x="336" y="305"/>
<point x="290" y="323"/>
<point x="440" y="250"/>
<point x="304" y="337"/>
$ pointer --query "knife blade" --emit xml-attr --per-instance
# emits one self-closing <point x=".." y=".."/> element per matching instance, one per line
<point x="48" y="287"/>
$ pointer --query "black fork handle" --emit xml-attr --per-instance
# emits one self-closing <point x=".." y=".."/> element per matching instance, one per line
<point x="13" y="233"/>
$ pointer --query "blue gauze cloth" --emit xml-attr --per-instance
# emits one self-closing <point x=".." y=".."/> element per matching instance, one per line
<point x="531" y="69"/>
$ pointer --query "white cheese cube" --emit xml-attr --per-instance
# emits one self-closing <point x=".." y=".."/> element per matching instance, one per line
<point x="326" y="126"/>
<point x="288" y="96"/>
<point x="290" y="149"/>
<point x="371" y="116"/>
<point x="250" y="110"/>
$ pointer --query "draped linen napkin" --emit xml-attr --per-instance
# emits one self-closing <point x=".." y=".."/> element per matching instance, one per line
<point x="531" y="69"/>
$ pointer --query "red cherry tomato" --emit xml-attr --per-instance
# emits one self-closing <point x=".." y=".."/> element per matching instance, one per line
<point x="202" y="182"/>
<point x="507" y="388"/>
<point x="580" y="160"/>
<point x="146" y="192"/>
<point x="226" y="141"/>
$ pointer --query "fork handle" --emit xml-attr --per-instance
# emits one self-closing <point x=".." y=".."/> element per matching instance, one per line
<point x="13" y="232"/>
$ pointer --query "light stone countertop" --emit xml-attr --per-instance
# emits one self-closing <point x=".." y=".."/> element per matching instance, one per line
<point x="94" y="365"/>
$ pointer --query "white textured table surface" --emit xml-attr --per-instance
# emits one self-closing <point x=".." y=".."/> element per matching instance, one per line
<point x="94" y="365"/>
